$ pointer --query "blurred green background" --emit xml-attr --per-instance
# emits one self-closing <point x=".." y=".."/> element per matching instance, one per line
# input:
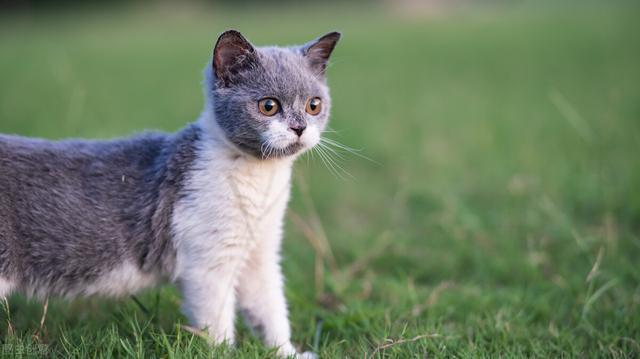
<point x="499" y="216"/>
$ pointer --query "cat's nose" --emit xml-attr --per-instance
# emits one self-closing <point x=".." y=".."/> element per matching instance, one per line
<point x="298" y="129"/>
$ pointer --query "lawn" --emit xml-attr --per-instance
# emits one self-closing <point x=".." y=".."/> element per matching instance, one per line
<point x="499" y="214"/>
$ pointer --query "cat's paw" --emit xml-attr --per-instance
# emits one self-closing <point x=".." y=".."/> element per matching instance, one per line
<point x="288" y="351"/>
<point x="307" y="355"/>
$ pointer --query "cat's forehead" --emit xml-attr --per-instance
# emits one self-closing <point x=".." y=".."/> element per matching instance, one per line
<point x="286" y="71"/>
<point x="282" y="59"/>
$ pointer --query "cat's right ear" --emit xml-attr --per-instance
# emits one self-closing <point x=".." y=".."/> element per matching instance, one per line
<point x="319" y="50"/>
<point x="231" y="55"/>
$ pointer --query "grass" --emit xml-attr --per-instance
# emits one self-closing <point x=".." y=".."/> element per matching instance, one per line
<point x="501" y="216"/>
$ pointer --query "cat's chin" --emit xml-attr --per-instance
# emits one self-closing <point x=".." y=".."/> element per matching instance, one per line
<point x="288" y="151"/>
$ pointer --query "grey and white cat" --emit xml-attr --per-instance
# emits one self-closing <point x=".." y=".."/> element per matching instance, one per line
<point x="202" y="207"/>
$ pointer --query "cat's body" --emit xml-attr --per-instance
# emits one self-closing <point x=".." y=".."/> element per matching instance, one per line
<point x="202" y="207"/>
<point x="74" y="211"/>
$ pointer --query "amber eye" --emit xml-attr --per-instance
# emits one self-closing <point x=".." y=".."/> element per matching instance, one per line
<point x="268" y="106"/>
<point x="314" y="106"/>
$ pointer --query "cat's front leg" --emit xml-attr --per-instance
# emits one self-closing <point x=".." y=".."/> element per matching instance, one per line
<point x="209" y="302"/>
<point x="262" y="301"/>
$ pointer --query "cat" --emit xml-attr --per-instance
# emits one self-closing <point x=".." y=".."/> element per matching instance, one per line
<point x="202" y="208"/>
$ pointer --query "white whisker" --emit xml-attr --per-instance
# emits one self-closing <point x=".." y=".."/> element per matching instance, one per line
<point x="338" y="170"/>
<point x="336" y="153"/>
<point x="345" y="148"/>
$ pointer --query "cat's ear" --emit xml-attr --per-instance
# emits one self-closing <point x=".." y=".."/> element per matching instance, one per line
<point x="318" y="51"/>
<point x="232" y="54"/>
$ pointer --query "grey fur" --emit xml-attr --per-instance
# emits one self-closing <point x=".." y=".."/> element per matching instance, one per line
<point x="71" y="211"/>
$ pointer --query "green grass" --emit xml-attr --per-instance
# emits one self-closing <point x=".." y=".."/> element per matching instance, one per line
<point x="501" y="216"/>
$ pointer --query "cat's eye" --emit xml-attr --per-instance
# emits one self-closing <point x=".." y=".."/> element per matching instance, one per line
<point x="268" y="106"/>
<point x="314" y="106"/>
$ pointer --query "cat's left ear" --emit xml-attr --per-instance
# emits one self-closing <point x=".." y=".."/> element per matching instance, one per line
<point x="319" y="50"/>
<point x="231" y="55"/>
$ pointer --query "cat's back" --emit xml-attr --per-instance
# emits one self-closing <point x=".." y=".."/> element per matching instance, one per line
<point x="31" y="164"/>
<point x="17" y="152"/>
<point x="39" y="175"/>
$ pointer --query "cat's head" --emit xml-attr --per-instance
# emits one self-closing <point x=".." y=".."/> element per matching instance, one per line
<point x="270" y="102"/>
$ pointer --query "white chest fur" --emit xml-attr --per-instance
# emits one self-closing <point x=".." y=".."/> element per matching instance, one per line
<point x="231" y="203"/>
